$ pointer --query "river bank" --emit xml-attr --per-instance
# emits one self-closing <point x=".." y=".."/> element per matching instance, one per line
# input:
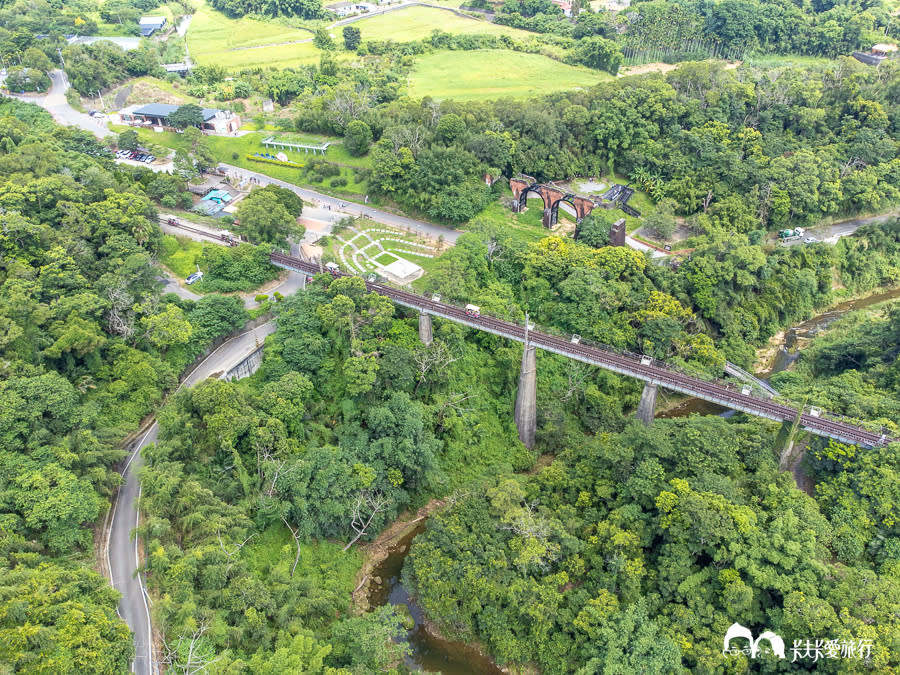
<point x="379" y="582"/>
<point x="775" y="355"/>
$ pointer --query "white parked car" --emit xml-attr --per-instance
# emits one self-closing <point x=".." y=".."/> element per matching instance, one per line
<point x="194" y="278"/>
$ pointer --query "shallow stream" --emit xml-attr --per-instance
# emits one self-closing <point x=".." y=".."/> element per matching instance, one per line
<point x="430" y="653"/>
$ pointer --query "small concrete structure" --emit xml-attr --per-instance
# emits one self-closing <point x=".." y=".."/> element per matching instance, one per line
<point x="426" y="334"/>
<point x="272" y="142"/>
<point x="402" y="271"/>
<point x="878" y="54"/>
<point x="343" y="9"/>
<point x="647" y="404"/>
<point x="526" y="397"/>
<point x="248" y="365"/>
<point x="180" y="68"/>
<point x="126" y="43"/>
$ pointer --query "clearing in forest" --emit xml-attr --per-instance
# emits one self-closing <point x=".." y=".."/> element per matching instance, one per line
<point x="495" y="73"/>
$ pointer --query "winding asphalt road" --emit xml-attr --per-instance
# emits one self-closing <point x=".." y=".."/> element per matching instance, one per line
<point x="55" y="103"/>
<point x="122" y="549"/>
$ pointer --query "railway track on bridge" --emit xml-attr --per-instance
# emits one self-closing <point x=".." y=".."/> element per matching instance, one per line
<point x="631" y="365"/>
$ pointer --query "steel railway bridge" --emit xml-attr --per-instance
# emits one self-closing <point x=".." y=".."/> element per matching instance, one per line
<point x="653" y="373"/>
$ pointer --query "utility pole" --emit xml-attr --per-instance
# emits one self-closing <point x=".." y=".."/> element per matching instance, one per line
<point x="102" y="104"/>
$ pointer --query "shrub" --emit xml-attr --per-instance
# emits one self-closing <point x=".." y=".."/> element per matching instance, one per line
<point x="338" y="182"/>
<point x="234" y="155"/>
<point x="277" y="162"/>
<point x="168" y="201"/>
<point x="317" y="178"/>
<point x="262" y="297"/>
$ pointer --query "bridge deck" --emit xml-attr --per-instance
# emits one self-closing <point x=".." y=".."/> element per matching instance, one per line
<point x="620" y="363"/>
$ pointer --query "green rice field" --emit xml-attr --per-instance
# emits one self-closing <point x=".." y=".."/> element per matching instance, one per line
<point x="415" y="23"/>
<point x="213" y="38"/>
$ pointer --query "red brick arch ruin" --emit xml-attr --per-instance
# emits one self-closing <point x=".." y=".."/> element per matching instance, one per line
<point x="552" y="197"/>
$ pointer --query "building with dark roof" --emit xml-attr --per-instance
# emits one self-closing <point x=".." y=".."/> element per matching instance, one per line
<point x="157" y="115"/>
<point x="150" y="24"/>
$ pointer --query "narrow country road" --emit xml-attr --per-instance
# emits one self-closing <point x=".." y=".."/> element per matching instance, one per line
<point x="122" y="549"/>
<point x="55" y="103"/>
<point x="354" y="209"/>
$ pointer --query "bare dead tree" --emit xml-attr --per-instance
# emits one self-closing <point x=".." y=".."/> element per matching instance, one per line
<point x="577" y="374"/>
<point x="434" y="109"/>
<point x="493" y="249"/>
<point x="295" y="533"/>
<point x="230" y="554"/>
<point x="765" y="203"/>
<point x="527" y="524"/>
<point x="436" y="357"/>
<point x="120" y="318"/>
<point x="194" y="662"/>
<point x="412" y="137"/>
<point x="372" y="503"/>
<point x="707" y="200"/>
<point x="851" y="164"/>
<point x="346" y="106"/>
<point x="453" y="402"/>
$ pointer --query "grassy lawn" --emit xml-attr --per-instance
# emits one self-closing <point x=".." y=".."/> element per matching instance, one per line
<point x="385" y="259"/>
<point x="336" y="152"/>
<point x="224" y="147"/>
<point x="478" y="74"/>
<point x="415" y="23"/>
<point x="524" y="227"/>
<point x="777" y="60"/>
<point x="180" y="254"/>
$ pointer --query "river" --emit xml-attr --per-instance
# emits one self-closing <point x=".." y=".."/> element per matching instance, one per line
<point x="795" y="339"/>
<point x="798" y="337"/>
<point x="430" y="653"/>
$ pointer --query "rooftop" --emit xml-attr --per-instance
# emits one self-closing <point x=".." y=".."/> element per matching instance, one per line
<point x="166" y="109"/>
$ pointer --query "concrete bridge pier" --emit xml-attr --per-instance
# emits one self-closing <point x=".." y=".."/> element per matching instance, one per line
<point x="426" y="335"/>
<point x="647" y="404"/>
<point x="526" y="398"/>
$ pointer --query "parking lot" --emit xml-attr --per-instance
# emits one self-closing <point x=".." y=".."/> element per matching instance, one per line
<point x="138" y="156"/>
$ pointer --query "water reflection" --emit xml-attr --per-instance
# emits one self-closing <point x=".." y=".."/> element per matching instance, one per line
<point x="429" y="653"/>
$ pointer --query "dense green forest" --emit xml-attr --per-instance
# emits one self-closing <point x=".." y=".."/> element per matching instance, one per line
<point x="612" y="548"/>
<point x="88" y="347"/>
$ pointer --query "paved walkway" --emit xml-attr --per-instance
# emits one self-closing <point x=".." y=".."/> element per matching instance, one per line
<point x="353" y="209"/>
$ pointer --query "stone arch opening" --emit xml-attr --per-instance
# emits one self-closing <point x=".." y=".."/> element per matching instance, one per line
<point x="569" y="199"/>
